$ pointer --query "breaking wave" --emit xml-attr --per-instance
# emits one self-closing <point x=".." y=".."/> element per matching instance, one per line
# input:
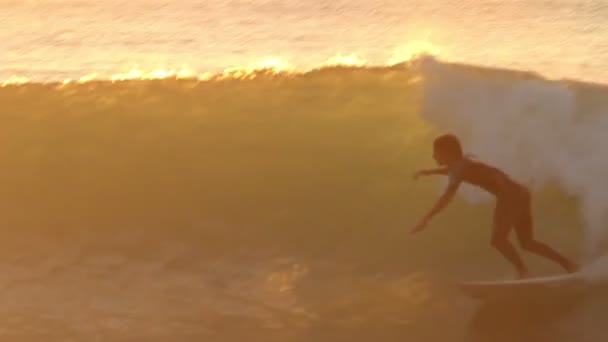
<point x="281" y="195"/>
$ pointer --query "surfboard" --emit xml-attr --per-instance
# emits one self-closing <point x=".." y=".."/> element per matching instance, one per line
<point x="530" y="286"/>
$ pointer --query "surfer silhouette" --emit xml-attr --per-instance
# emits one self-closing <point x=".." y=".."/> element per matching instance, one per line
<point x="513" y="209"/>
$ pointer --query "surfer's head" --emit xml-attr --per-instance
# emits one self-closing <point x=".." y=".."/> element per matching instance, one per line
<point x="447" y="149"/>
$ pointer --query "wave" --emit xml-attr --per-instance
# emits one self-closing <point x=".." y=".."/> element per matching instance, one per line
<point x="286" y="197"/>
<point x="300" y="159"/>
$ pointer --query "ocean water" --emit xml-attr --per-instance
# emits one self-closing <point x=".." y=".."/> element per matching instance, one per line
<point x="275" y="204"/>
<point x="58" y="39"/>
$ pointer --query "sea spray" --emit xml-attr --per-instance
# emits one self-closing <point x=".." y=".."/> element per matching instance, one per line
<point x="537" y="130"/>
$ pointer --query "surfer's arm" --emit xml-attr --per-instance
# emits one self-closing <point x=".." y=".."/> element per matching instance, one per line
<point x="428" y="172"/>
<point x="441" y="203"/>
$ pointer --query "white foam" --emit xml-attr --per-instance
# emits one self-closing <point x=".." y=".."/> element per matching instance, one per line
<point x="532" y="128"/>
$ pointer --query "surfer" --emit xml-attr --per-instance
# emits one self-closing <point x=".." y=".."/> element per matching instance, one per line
<point x="513" y="202"/>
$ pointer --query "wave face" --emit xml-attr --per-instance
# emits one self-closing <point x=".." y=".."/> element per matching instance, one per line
<point x="277" y="207"/>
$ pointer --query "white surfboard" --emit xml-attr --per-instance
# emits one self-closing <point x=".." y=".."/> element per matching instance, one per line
<point x="539" y="285"/>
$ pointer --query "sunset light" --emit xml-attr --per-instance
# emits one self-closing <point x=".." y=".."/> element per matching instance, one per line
<point x="15" y="80"/>
<point x="273" y="65"/>
<point x="413" y="50"/>
<point x="347" y="60"/>
<point x="256" y="170"/>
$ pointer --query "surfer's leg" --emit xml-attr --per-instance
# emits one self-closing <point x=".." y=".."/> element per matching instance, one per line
<point x="500" y="238"/>
<point x="524" y="230"/>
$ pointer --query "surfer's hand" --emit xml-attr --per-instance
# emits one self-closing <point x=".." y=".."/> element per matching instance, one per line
<point x="420" y="173"/>
<point x="419" y="227"/>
